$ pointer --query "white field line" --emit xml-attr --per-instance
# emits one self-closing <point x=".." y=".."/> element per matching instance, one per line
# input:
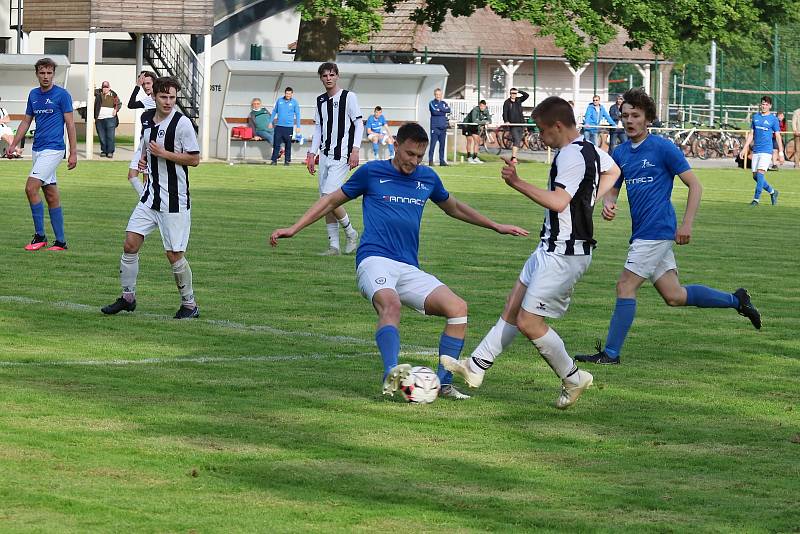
<point x="342" y="340"/>
<point x="178" y="361"/>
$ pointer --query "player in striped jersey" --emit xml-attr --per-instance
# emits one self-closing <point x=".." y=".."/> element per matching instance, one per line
<point x="649" y="164"/>
<point x="579" y="173"/>
<point x="168" y="147"/>
<point x="141" y="98"/>
<point x="338" y="127"/>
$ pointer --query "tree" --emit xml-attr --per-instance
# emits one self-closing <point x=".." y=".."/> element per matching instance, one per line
<point x="327" y="24"/>
<point x="579" y="26"/>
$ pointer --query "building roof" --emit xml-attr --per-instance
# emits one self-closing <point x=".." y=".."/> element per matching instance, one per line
<point x="497" y="37"/>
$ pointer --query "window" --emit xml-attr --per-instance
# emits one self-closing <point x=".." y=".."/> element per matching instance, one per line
<point x="57" y="47"/>
<point x="4" y="41"/>
<point x="497" y="84"/>
<point x="116" y="49"/>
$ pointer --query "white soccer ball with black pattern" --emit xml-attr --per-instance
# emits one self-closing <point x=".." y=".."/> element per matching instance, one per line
<point x="421" y="386"/>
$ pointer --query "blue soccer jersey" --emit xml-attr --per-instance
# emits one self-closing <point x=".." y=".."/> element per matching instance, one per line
<point x="47" y="109"/>
<point x="376" y="125"/>
<point x="392" y="208"/>
<point x="764" y="128"/>
<point x="649" y="173"/>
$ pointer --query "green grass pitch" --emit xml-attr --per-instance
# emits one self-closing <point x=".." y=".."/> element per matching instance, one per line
<point x="265" y="415"/>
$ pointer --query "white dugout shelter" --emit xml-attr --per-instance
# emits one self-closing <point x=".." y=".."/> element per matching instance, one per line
<point x="17" y="78"/>
<point x="403" y="91"/>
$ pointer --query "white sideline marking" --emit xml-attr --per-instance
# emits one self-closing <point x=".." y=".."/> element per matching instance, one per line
<point x="344" y="340"/>
<point x="166" y="361"/>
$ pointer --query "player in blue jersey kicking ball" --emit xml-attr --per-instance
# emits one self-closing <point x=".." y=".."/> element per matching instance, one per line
<point x="649" y="165"/>
<point x="51" y="107"/>
<point x="764" y="127"/>
<point x="395" y="192"/>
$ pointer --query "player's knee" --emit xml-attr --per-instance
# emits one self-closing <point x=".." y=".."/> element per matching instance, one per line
<point x="674" y="299"/>
<point x="457" y="309"/>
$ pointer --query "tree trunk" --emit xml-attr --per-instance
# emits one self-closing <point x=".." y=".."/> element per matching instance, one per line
<point x="317" y="40"/>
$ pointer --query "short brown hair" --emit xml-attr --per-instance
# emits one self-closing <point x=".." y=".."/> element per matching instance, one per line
<point x="163" y="84"/>
<point x="638" y="98"/>
<point x="45" y="62"/>
<point x="149" y="74"/>
<point x="554" y="109"/>
<point x="328" y="66"/>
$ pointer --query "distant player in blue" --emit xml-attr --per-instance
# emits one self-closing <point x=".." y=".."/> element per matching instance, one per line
<point x="51" y="107"/>
<point x="394" y="196"/>
<point x="439" y="123"/>
<point x="378" y="132"/>
<point x="649" y="164"/>
<point x="764" y="127"/>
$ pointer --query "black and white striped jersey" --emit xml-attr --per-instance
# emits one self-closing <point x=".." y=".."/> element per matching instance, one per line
<point x="140" y="100"/>
<point x="167" y="187"/>
<point x="576" y="169"/>
<point x="338" y="125"/>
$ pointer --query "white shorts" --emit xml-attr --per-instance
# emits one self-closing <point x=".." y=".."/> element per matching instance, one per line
<point x="45" y="163"/>
<point x="650" y="259"/>
<point x="174" y="227"/>
<point x="135" y="160"/>
<point x="550" y="279"/>
<point x="761" y="161"/>
<point x="332" y="174"/>
<point x="412" y="284"/>
<point x="5" y="130"/>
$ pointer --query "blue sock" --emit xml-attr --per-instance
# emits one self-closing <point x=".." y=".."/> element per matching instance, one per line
<point x="57" y="221"/>
<point x="388" y="341"/>
<point x="375" y="149"/>
<point x="706" y="297"/>
<point x="391" y="150"/>
<point x="760" y="181"/>
<point x="450" y="346"/>
<point x="621" y="321"/>
<point x="37" y="210"/>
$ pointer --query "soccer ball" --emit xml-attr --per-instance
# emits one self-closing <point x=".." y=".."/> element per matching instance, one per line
<point x="421" y="386"/>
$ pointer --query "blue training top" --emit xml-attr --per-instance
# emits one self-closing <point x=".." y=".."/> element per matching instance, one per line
<point x="392" y="208"/>
<point x="47" y="109"/>
<point x="376" y="125"/>
<point x="649" y="173"/>
<point x="287" y="112"/>
<point x="764" y="128"/>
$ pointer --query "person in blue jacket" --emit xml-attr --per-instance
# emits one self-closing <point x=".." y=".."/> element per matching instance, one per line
<point x="595" y="113"/>
<point x="286" y="121"/>
<point x="439" y="112"/>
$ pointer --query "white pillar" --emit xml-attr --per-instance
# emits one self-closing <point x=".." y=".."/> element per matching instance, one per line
<point x="510" y="68"/>
<point x="712" y="70"/>
<point x="137" y="116"/>
<point x="205" y="102"/>
<point x="645" y="72"/>
<point x="576" y="82"/>
<point x="25" y="42"/>
<point x="90" y="94"/>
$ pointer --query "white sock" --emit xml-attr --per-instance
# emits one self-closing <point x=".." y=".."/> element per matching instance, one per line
<point x="183" y="279"/>
<point x="137" y="185"/>
<point x="333" y="235"/>
<point x="496" y="341"/>
<point x="348" y="228"/>
<point x="552" y="349"/>
<point x="128" y="272"/>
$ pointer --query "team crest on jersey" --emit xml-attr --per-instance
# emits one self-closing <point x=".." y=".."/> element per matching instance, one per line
<point x="380" y="281"/>
<point x="422" y="186"/>
<point x="161" y="133"/>
<point x="48" y="101"/>
<point x="646" y="164"/>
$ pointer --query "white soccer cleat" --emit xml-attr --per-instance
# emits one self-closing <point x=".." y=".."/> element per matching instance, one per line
<point x="332" y="251"/>
<point x="397" y="374"/>
<point x="351" y="244"/>
<point x="461" y="368"/>
<point x="450" y="392"/>
<point x="570" y="392"/>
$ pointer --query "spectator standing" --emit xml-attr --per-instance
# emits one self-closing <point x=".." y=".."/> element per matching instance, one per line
<point x="595" y="113"/>
<point x="259" y="121"/>
<point x="512" y="114"/>
<point x="106" y="106"/>
<point x="439" y="111"/>
<point x="477" y="117"/>
<point x="617" y="136"/>
<point x="285" y="120"/>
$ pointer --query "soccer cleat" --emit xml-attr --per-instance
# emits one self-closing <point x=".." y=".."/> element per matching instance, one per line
<point x="38" y="241"/>
<point x="449" y="391"/>
<point x="185" y="312"/>
<point x="119" y="305"/>
<point x="479" y="161"/>
<point x="600" y="357"/>
<point x="461" y="368"/>
<point x="746" y="308"/>
<point x="754" y="204"/>
<point x="351" y="244"/>
<point x="774" y="196"/>
<point x="443" y="164"/>
<point x="59" y="245"/>
<point x="397" y="374"/>
<point x="570" y="392"/>
<point x="332" y="251"/>
<point x="472" y="161"/>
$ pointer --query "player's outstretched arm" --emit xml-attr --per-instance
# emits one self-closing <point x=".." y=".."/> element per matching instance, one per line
<point x="684" y="233"/>
<point x="557" y="200"/>
<point x="319" y="209"/>
<point x="464" y="212"/>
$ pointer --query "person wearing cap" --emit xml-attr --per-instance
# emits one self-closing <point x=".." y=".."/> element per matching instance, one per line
<point x="106" y="106"/>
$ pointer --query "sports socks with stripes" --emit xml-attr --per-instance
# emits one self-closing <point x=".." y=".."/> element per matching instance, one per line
<point x="552" y="349"/>
<point x="348" y="228"/>
<point x="128" y="272"/>
<point x="494" y="342"/>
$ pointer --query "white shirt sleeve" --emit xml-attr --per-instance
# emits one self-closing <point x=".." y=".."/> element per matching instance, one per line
<point x="354" y="113"/>
<point x="316" y="141"/>
<point x="570" y="170"/>
<point x="606" y="162"/>
<point x="188" y="138"/>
